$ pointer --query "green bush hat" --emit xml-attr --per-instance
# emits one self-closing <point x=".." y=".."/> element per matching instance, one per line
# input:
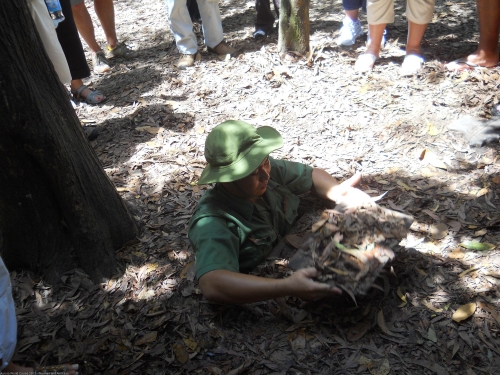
<point x="234" y="149"/>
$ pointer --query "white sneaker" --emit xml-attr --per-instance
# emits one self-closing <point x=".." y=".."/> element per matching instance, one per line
<point x="382" y="42"/>
<point x="411" y="65"/>
<point x="349" y="32"/>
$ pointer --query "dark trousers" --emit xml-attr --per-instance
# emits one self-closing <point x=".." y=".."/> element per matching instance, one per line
<point x="193" y="10"/>
<point x="265" y="17"/>
<point x="354" y="4"/>
<point x="71" y="44"/>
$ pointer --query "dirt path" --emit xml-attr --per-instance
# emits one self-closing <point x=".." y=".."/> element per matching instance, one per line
<point x="151" y="319"/>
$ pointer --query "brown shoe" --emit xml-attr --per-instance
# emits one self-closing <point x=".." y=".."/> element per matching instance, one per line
<point x="186" y="60"/>
<point x="223" y="50"/>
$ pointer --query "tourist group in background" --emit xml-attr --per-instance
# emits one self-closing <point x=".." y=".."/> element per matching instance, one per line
<point x="60" y="21"/>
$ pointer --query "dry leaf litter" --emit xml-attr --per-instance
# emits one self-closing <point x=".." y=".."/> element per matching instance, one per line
<point x="436" y="313"/>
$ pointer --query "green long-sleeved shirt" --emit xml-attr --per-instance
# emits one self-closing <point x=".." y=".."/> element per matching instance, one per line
<point x="231" y="233"/>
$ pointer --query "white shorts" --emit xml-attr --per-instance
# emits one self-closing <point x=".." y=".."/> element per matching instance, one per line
<point x="48" y="35"/>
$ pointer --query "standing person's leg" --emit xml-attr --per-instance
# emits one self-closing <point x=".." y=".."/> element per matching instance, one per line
<point x="489" y="29"/>
<point x="352" y="14"/>
<point x="351" y="8"/>
<point x="105" y="11"/>
<point x="71" y="44"/>
<point x="182" y="28"/>
<point x="264" y="21"/>
<point x="277" y="8"/>
<point x="212" y="29"/>
<point x="86" y="29"/>
<point x="380" y="13"/>
<point x="193" y="10"/>
<point x="384" y="37"/>
<point x="351" y="27"/>
<point x="486" y="55"/>
<point x="419" y="14"/>
<point x="48" y="35"/>
<point x="416" y="32"/>
<point x="84" y="24"/>
<point x="73" y="50"/>
<point x="211" y="22"/>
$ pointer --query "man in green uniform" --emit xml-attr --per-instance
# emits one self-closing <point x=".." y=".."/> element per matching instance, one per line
<point x="252" y="206"/>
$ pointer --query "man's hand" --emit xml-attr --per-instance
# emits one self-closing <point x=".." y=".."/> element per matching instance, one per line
<point x="301" y="285"/>
<point x="346" y="195"/>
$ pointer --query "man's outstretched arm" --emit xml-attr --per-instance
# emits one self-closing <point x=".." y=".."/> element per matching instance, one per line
<point x="232" y="287"/>
<point x="326" y="186"/>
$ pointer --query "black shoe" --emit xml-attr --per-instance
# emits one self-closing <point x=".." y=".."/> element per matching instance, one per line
<point x="259" y="34"/>
<point x="91" y="132"/>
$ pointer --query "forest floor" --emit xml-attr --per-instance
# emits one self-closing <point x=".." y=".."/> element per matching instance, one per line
<point x="151" y="317"/>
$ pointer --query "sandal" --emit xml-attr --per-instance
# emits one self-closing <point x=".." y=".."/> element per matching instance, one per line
<point x="90" y="98"/>
<point x="459" y="65"/>
<point x="59" y="369"/>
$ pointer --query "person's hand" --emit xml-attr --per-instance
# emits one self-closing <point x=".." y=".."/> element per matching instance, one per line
<point x="301" y="285"/>
<point x="346" y="195"/>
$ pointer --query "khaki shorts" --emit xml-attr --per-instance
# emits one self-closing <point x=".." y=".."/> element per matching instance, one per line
<point x="382" y="11"/>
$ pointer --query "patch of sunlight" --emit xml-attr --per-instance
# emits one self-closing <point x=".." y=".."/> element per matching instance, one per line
<point x="146" y="282"/>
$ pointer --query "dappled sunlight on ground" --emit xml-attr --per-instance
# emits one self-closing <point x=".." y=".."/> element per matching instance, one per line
<point x="151" y="318"/>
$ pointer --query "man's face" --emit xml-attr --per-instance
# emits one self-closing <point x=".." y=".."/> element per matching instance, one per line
<point x="255" y="184"/>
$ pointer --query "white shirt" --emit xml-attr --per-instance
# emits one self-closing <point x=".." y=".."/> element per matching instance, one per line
<point x="8" y="324"/>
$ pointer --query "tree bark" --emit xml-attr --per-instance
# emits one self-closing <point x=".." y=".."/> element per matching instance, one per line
<point x="58" y="208"/>
<point x="294" y="26"/>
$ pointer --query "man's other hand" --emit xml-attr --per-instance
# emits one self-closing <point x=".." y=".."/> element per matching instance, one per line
<point x="302" y="285"/>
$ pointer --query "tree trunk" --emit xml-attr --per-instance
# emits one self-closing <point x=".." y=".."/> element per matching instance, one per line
<point x="58" y="209"/>
<point x="294" y="26"/>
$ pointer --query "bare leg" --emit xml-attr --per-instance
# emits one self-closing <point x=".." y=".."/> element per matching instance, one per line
<point x="105" y="10"/>
<point x="415" y="34"/>
<point x="413" y="61"/>
<point x="366" y="60"/>
<point x="352" y="14"/>
<point x="376" y="34"/>
<point x="85" y="26"/>
<point x="488" y="12"/>
<point x="486" y="55"/>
